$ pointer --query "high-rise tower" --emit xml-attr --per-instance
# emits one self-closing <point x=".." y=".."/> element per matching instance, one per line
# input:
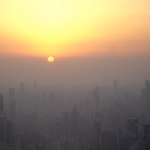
<point x="3" y="140"/>
<point x="1" y="103"/>
<point x="96" y="98"/>
<point x="12" y="103"/>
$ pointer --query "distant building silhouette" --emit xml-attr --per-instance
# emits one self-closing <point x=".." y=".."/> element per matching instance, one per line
<point x="1" y="103"/>
<point x="96" y="98"/>
<point x="146" y="91"/>
<point x="34" y="140"/>
<point x="133" y="127"/>
<point x="7" y="139"/>
<point x="75" y="122"/>
<point x="115" y="85"/>
<point x="146" y="140"/>
<point x="145" y="98"/>
<point x="108" y="141"/>
<point x="12" y="103"/>
<point x="97" y="134"/>
<point x="3" y="131"/>
<point x="66" y="125"/>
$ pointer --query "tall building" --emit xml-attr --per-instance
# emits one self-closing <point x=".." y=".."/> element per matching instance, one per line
<point x="10" y="134"/>
<point x="115" y="88"/>
<point x="97" y="134"/>
<point x="1" y="103"/>
<point x="108" y="141"/>
<point x="146" y="140"/>
<point x="133" y="127"/>
<point x="146" y="102"/>
<point x="146" y="91"/>
<point x="22" y="96"/>
<point x="75" y="122"/>
<point x="12" y="103"/>
<point x="97" y="117"/>
<point x="7" y="135"/>
<point x="96" y="98"/>
<point x="66" y="125"/>
<point x="115" y="85"/>
<point x="3" y="132"/>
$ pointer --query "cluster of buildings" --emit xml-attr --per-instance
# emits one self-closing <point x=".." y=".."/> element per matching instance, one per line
<point x="90" y="124"/>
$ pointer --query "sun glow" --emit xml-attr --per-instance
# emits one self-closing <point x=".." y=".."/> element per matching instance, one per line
<point x="68" y="27"/>
<point x="51" y="59"/>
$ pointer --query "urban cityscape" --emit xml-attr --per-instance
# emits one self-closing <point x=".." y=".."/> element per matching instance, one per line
<point x="98" y="118"/>
<point x="74" y="74"/>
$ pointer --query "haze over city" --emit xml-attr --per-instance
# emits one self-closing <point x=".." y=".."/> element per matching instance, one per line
<point x="74" y="75"/>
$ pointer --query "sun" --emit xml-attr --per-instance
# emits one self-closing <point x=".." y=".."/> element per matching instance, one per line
<point x="51" y="59"/>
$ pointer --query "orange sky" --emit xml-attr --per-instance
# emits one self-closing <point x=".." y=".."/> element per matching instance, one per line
<point x="73" y="27"/>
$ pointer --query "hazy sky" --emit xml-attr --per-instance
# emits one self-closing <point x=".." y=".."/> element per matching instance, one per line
<point x="75" y="71"/>
<point x="94" y="41"/>
<point x="74" y="27"/>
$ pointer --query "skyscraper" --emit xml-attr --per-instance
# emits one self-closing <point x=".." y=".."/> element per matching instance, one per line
<point x="1" y="103"/>
<point x="12" y="103"/>
<point x="146" y="142"/>
<point x="3" y="138"/>
<point x="96" y="98"/>
<point x="75" y="121"/>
